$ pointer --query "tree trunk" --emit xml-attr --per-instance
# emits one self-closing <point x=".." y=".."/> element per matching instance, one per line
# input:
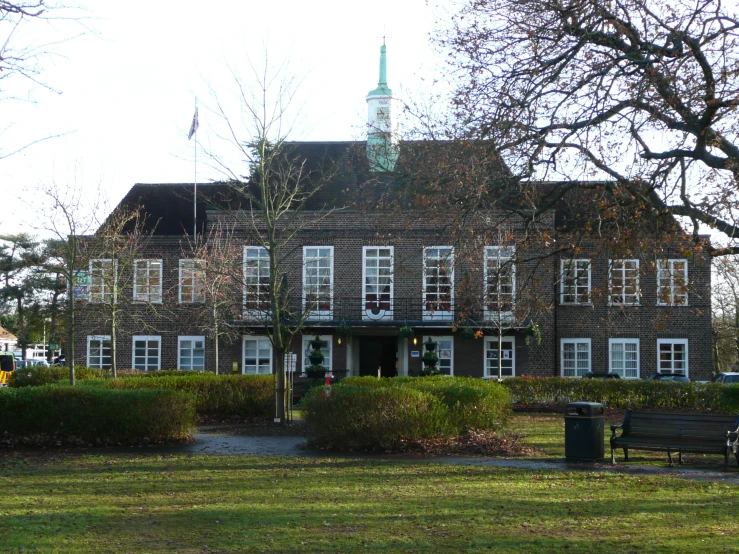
<point x="736" y="325"/>
<point x="217" y="336"/>
<point x="70" y="340"/>
<point x="113" y="345"/>
<point x="22" y="328"/>
<point x="281" y="389"/>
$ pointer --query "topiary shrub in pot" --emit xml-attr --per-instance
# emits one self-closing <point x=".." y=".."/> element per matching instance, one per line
<point x="316" y="370"/>
<point x="430" y="359"/>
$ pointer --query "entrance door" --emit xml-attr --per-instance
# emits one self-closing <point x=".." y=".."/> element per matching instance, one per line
<point x="377" y="352"/>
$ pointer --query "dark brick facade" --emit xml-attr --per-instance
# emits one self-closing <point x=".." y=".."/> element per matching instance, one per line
<point x="349" y="231"/>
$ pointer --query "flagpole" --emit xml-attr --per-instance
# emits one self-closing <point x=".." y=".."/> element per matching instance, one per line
<point x="195" y="187"/>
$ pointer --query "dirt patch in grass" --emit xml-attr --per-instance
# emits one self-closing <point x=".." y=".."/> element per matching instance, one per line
<point x="479" y="443"/>
<point x="256" y="429"/>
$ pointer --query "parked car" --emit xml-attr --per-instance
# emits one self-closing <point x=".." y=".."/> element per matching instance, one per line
<point x="727" y="377"/>
<point x="33" y="362"/>
<point x="674" y="377"/>
<point x="591" y="375"/>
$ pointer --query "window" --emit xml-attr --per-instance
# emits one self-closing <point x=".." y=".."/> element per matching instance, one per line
<point x="378" y="282"/>
<point x="103" y="280"/>
<point x="672" y="356"/>
<point x="257" y="356"/>
<point x="623" y="282"/>
<point x="325" y="350"/>
<point x="438" y="282"/>
<point x="624" y="357"/>
<point x="191" y="353"/>
<point x="507" y="357"/>
<point x="147" y="281"/>
<point x="500" y="281"/>
<point x="98" y="352"/>
<point x="575" y="283"/>
<point x="256" y="280"/>
<point x="318" y="280"/>
<point x="147" y="353"/>
<point x="672" y="282"/>
<point x="192" y="281"/>
<point x="575" y="357"/>
<point x="445" y="351"/>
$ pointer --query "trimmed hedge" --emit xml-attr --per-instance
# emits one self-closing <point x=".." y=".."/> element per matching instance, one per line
<point x="537" y="392"/>
<point x="216" y="396"/>
<point x="56" y="413"/>
<point x="40" y="375"/>
<point x="365" y="413"/>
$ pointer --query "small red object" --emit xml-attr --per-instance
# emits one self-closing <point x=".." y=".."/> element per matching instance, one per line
<point x="328" y="380"/>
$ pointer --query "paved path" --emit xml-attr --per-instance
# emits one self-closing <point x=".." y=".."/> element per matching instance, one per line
<point x="239" y="445"/>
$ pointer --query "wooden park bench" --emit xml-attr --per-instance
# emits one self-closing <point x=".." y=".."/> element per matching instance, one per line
<point x="676" y="432"/>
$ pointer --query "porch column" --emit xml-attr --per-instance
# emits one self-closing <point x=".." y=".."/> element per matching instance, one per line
<point x="402" y="357"/>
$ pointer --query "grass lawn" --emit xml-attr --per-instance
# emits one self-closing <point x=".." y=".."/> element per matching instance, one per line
<point x="545" y="432"/>
<point x="92" y="502"/>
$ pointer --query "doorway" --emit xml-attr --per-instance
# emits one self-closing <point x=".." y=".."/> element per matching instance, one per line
<point x="379" y="352"/>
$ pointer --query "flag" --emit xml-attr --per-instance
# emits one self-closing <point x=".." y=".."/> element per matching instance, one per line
<point x="195" y="124"/>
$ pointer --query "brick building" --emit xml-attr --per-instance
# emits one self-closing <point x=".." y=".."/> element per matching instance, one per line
<point x="359" y="271"/>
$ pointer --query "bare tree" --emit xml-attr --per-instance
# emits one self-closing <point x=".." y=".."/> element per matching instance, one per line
<point x="69" y="215"/>
<point x="217" y="282"/>
<point x="23" y="59"/>
<point x="113" y="252"/>
<point x="634" y="98"/>
<point x="273" y="185"/>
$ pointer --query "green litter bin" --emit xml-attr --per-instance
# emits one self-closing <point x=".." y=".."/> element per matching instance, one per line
<point x="584" y="423"/>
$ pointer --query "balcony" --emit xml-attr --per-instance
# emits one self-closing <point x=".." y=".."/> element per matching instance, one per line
<point x="389" y="312"/>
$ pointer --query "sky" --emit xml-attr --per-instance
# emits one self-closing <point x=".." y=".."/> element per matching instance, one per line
<point x="124" y="91"/>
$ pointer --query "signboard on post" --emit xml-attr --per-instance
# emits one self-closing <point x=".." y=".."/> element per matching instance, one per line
<point x="80" y="284"/>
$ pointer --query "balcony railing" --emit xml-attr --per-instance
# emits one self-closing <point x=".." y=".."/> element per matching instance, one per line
<point x="357" y="311"/>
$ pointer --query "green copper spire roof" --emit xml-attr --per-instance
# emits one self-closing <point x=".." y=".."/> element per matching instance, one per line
<point x="382" y="88"/>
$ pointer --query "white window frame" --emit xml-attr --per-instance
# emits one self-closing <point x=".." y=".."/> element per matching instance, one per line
<point x="191" y="338"/>
<point x="437" y="339"/>
<point x="147" y="338"/>
<point x="102" y="339"/>
<point x="318" y="314"/>
<point x="510" y="252"/>
<point x="105" y="295"/>
<point x="575" y="341"/>
<point x="622" y="296"/>
<point x="263" y="257"/>
<point x="562" y="282"/>
<point x="673" y="342"/>
<point x="438" y="315"/>
<point x="328" y="339"/>
<point x="153" y="293"/>
<point x="243" y="354"/>
<point x="668" y="265"/>
<point x="198" y="276"/>
<point x="492" y="372"/>
<point x="622" y="372"/>
<point x="367" y="313"/>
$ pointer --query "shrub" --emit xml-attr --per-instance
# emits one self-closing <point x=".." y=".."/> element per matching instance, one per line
<point x="53" y="413"/>
<point x="368" y="413"/>
<point x="618" y="394"/>
<point x="472" y="403"/>
<point x="216" y="396"/>
<point x="372" y="418"/>
<point x="39" y="375"/>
